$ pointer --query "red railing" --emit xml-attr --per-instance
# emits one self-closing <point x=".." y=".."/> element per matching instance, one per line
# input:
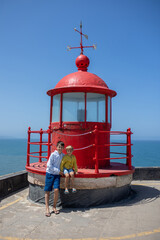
<point x="40" y="143"/>
<point x="127" y="155"/>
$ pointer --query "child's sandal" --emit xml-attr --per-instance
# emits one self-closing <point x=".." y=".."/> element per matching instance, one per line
<point x="66" y="191"/>
<point x="74" y="190"/>
<point x="47" y="214"/>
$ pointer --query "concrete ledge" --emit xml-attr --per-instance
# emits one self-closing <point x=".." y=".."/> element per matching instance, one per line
<point x="147" y="173"/>
<point x="85" y="183"/>
<point x="12" y="182"/>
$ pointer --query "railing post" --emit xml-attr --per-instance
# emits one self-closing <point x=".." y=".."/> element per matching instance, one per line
<point x="49" y="142"/>
<point x="28" y="146"/>
<point x="129" y="156"/>
<point x="40" y="145"/>
<point x="96" y="149"/>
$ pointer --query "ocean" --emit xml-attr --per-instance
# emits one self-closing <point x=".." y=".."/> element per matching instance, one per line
<point x="13" y="154"/>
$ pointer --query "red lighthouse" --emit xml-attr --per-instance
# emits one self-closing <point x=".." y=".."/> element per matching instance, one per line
<point x="80" y="115"/>
<point x="79" y="102"/>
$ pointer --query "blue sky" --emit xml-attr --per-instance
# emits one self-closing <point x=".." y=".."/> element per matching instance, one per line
<point x="34" y="35"/>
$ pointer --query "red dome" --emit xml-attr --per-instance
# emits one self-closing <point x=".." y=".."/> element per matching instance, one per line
<point x="81" y="81"/>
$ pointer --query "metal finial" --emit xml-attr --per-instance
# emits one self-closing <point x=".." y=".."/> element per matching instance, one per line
<point x="81" y="44"/>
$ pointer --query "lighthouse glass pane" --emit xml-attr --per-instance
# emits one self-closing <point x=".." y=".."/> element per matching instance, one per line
<point x="109" y="110"/>
<point x="96" y="110"/>
<point x="73" y="107"/>
<point x="56" y="108"/>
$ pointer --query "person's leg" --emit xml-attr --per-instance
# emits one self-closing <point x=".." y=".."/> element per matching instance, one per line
<point x="48" y="187"/>
<point x="66" y="181"/>
<point x="56" y="193"/>
<point x="72" y="179"/>
<point x="47" y="203"/>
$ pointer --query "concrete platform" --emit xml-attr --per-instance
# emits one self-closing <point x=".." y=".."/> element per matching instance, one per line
<point x="91" y="190"/>
<point x="137" y="217"/>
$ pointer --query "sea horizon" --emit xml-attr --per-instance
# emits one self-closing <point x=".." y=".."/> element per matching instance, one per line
<point x="13" y="154"/>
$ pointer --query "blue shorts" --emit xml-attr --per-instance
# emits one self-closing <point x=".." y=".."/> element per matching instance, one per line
<point x="50" y="181"/>
<point x="65" y="170"/>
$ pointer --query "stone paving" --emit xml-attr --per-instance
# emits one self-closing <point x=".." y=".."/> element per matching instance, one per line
<point x="137" y="217"/>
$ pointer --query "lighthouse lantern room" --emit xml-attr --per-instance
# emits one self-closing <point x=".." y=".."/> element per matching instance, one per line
<point x="80" y="115"/>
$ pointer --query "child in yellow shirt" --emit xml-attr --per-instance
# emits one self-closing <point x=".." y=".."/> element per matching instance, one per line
<point x="69" y="167"/>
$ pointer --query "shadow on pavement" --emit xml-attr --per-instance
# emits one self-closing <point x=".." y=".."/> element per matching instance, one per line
<point x="139" y="195"/>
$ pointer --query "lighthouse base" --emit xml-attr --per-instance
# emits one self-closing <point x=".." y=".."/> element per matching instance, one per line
<point x="83" y="197"/>
<point x="92" y="189"/>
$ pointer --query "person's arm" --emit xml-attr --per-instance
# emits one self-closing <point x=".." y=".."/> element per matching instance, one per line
<point x="75" y="165"/>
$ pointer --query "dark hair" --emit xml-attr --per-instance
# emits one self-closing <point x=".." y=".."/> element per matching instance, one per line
<point x="60" y="143"/>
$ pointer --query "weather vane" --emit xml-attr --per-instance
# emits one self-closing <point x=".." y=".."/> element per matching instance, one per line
<point x="81" y="45"/>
